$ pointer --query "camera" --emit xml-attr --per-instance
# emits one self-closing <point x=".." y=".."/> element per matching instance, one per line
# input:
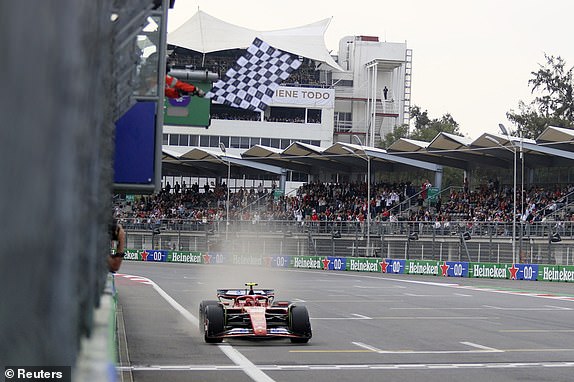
<point x="113" y="230"/>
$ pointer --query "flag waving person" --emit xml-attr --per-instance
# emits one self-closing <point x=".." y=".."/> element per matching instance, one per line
<point x="175" y="88"/>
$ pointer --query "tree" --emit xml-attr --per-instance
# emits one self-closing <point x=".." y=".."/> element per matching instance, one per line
<point x="553" y="104"/>
<point x="401" y="131"/>
<point x="424" y="128"/>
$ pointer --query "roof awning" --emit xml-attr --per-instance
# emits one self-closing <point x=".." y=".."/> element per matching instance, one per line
<point x="213" y="162"/>
<point x="204" y="33"/>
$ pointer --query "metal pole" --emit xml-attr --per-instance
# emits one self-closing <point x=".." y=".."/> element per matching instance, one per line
<point x="227" y="207"/>
<point x="514" y="214"/>
<point x="224" y="150"/>
<point x="521" y="194"/>
<point x="368" y="202"/>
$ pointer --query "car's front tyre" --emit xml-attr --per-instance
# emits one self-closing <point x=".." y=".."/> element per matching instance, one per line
<point x="214" y="323"/>
<point x="300" y="324"/>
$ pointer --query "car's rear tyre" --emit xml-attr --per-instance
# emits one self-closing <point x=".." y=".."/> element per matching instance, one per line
<point x="299" y="324"/>
<point x="214" y="323"/>
<point x="202" y="306"/>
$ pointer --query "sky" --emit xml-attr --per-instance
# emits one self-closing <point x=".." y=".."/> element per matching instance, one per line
<point x="472" y="59"/>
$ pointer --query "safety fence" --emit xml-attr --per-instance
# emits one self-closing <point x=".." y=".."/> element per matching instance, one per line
<point x="541" y="242"/>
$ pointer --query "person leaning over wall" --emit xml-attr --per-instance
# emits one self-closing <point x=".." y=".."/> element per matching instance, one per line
<point x="118" y="236"/>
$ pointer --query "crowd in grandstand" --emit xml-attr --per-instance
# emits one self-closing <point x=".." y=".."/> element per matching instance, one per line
<point x="318" y="201"/>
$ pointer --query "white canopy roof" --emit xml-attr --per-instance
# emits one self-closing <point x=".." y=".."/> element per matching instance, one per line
<point x="204" y="33"/>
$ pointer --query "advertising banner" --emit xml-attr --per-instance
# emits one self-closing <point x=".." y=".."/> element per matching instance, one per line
<point x="132" y="254"/>
<point x="311" y="97"/>
<point x="335" y="263"/>
<point x="423" y="267"/>
<point x="361" y="264"/>
<point x="556" y="273"/>
<point x="393" y="266"/>
<point x="247" y="260"/>
<point x="307" y="262"/>
<point x="524" y="272"/>
<point x="489" y="271"/>
<point x="150" y="255"/>
<point x="214" y="258"/>
<point x="454" y="268"/>
<point x="277" y="261"/>
<point x="184" y="257"/>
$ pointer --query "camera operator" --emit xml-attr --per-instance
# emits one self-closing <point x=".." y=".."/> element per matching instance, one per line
<point x="118" y="235"/>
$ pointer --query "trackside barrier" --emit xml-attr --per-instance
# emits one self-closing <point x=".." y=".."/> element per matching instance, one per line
<point x="532" y="272"/>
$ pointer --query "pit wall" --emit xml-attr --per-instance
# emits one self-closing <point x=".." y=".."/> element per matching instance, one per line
<point x="532" y="272"/>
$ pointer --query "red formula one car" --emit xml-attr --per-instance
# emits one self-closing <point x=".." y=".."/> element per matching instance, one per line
<point x="252" y="313"/>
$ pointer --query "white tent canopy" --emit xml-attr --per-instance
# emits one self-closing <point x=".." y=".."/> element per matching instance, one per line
<point x="204" y="33"/>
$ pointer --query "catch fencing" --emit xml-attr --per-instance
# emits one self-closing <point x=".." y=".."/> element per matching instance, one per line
<point x="538" y="242"/>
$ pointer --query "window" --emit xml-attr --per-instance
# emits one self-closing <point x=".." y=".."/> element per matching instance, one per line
<point x="254" y="141"/>
<point x="266" y="142"/>
<point x="184" y="140"/>
<point x="316" y="143"/>
<point x="274" y="143"/>
<point x="214" y="141"/>
<point x="174" y="139"/>
<point x="244" y="143"/>
<point x="285" y="143"/>
<point x="343" y="121"/>
<point x="286" y="114"/>
<point x="313" y="115"/>
<point x="348" y="83"/>
<point x="193" y="140"/>
<point x="224" y="140"/>
<point x="165" y="139"/>
<point x="234" y="142"/>
<point x="204" y="140"/>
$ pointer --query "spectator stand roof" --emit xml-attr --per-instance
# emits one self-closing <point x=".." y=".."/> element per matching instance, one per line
<point x="204" y="33"/>
<point x="211" y="163"/>
<point x="554" y="147"/>
<point x="300" y="157"/>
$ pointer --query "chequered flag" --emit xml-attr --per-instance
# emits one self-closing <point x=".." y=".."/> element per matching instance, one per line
<point x="252" y="81"/>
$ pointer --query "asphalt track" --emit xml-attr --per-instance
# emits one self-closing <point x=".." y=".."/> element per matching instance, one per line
<point x="366" y="327"/>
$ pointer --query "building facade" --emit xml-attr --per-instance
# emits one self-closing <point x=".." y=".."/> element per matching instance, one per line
<point x="364" y="91"/>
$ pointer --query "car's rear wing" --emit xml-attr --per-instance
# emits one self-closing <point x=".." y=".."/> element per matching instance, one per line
<point x="231" y="293"/>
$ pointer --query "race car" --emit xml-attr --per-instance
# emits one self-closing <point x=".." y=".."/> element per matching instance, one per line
<point x="254" y="314"/>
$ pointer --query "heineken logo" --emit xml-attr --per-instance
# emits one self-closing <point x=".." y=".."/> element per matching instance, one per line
<point x="307" y="263"/>
<point x="247" y="260"/>
<point x="423" y="269"/>
<point x="131" y="255"/>
<point x="551" y="274"/>
<point x="185" y="258"/>
<point x="492" y="271"/>
<point x="363" y="265"/>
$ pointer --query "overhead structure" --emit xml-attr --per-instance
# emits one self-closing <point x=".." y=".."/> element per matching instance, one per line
<point x="206" y="162"/>
<point x="204" y="33"/>
<point x="553" y="148"/>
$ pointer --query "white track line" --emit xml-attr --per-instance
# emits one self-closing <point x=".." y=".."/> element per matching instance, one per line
<point x="234" y="355"/>
<point x="368" y="347"/>
<point x="246" y="365"/>
<point x="485" y="348"/>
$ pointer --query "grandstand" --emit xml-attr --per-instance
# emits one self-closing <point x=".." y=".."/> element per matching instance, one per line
<point x="294" y="146"/>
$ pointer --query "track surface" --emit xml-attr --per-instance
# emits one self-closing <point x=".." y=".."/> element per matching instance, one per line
<point x="366" y="327"/>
